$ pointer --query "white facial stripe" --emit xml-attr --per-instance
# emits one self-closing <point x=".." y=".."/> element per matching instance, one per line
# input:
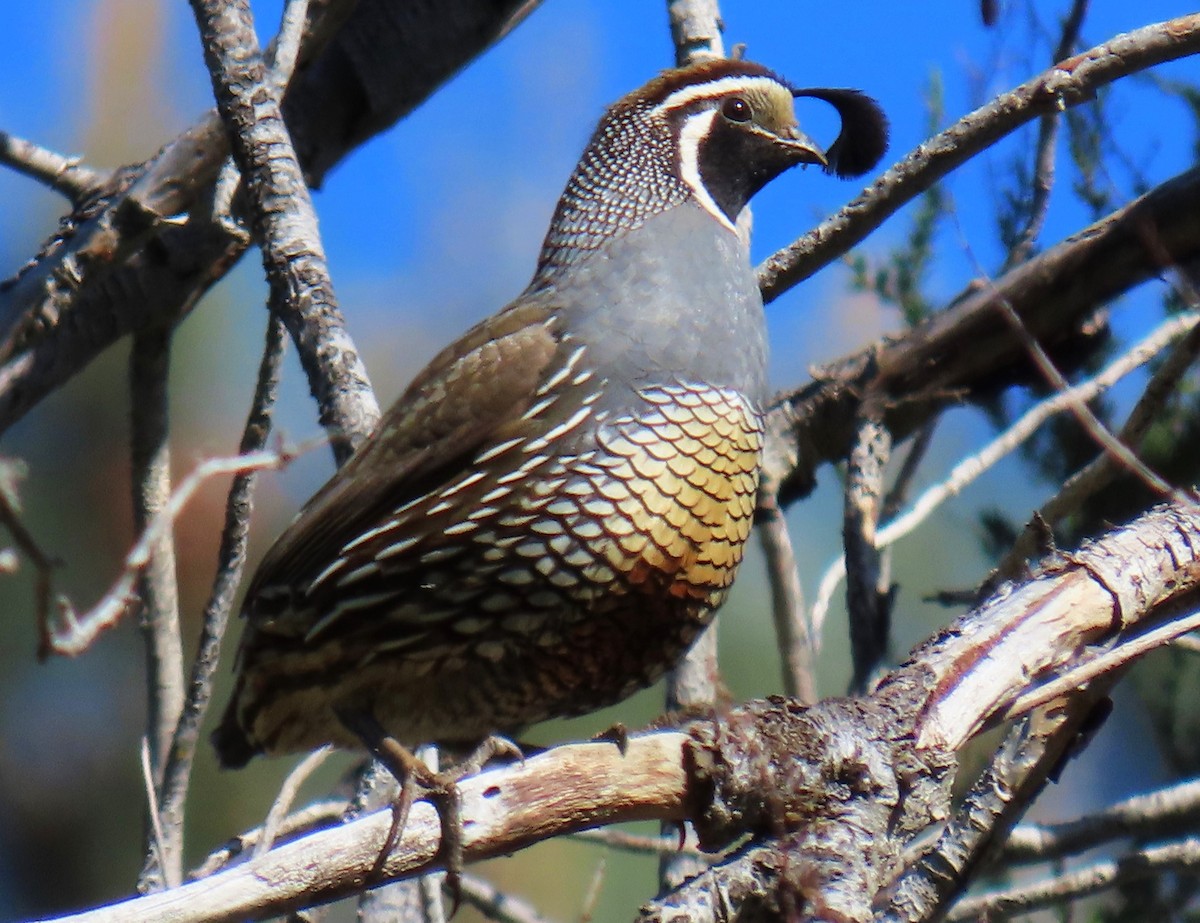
<point x="713" y="88"/>
<point x="694" y="130"/>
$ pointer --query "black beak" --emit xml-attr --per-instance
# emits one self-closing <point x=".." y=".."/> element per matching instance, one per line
<point x="803" y="148"/>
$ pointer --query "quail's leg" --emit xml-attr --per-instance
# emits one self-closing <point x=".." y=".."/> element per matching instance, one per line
<point x="441" y="787"/>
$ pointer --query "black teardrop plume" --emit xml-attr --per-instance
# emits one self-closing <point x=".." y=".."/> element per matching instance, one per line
<point x="864" y="137"/>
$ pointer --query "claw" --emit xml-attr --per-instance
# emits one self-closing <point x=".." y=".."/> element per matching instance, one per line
<point x="440" y="787"/>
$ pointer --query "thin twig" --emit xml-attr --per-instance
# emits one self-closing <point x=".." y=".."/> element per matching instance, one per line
<point x="1044" y="151"/>
<point x="1079" y="409"/>
<point x="157" y="583"/>
<point x="62" y="174"/>
<point x="495" y="904"/>
<point x="305" y="820"/>
<point x="1136" y="865"/>
<point x="797" y="643"/>
<point x="592" y="895"/>
<point x="157" y="844"/>
<point x="231" y="562"/>
<point x="11" y="471"/>
<point x="631" y="842"/>
<point x="77" y="632"/>
<point x="1142" y="816"/>
<point x="897" y="494"/>
<point x="282" y="804"/>
<point x="970" y="468"/>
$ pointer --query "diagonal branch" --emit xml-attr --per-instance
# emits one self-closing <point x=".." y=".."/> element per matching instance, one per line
<point x="1067" y="83"/>
<point x="62" y="174"/>
<point x="285" y="223"/>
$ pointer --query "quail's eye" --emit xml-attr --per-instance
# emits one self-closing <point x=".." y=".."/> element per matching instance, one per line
<point x="736" y="109"/>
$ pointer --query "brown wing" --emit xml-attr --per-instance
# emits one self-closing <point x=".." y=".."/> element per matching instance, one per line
<point x="445" y="416"/>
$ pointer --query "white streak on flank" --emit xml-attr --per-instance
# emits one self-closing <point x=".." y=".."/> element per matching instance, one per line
<point x="336" y="565"/>
<point x="465" y="482"/>
<point x="542" y="441"/>
<point x="397" y="548"/>
<point x="363" y="570"/>
<point x="497" y="449"/>
<point x="694" y="131"/>
<point x="366" y="537"/>
<point x="399" y="644"/>
<point x="348" y="604"/>
<point x="715" y="88"/>
<point x="566" y="369"/>
<point x="538" y="407"/>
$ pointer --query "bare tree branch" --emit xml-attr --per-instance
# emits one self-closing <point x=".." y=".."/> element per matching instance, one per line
<point x="1092" y="879"/>
<point x="231" y="562"/>
<point x="696" y="30"/>
<point x="157" y="585"/>
<point x="565" y="789"/>
<point x="867" y="601"/>
<point x="797" y="644"/>
<point x="62" y="174"/>
<point x="1068" y="83"/>
<point x="285" y="223"/>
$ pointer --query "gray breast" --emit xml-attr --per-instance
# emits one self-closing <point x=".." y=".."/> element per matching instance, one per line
<point x="674" y="300"/>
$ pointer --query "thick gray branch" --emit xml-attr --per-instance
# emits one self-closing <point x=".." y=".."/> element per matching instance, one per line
<point x="968" y="350"/>
<point x="285" y="223"/>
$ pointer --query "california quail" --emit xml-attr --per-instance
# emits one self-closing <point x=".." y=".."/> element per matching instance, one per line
<point x="557" y="505"/>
